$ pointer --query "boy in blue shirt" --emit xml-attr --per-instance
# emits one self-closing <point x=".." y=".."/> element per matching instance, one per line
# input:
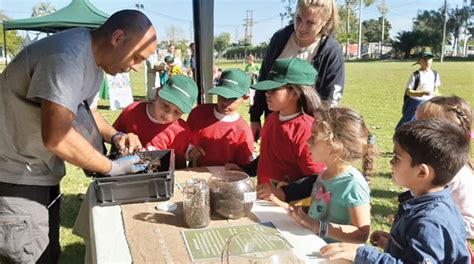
<point x="428" y="228"/>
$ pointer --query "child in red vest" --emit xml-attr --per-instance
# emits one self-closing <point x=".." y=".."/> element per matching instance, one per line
<point x="158" y="123"/>
<point x="219" y="133"/>
<point x="284" y="153"/>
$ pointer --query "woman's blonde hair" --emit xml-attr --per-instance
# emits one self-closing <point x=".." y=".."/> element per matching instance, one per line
<point x="346" y="132"/>
<point x="328" y="9"/>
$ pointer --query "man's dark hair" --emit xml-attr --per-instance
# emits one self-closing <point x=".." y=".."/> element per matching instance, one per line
<point x="128" y="20"/>
<point x="437" y="143"/>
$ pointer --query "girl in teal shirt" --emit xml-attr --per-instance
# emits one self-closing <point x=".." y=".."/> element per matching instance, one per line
<point x="340" y="207"/>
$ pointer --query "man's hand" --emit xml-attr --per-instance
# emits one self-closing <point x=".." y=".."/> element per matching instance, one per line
<point x="129" y="142"/>
<point x="125" y="165"/>
<point x="346" y="251"/>
<point x="379" y="238"/>
<point x="256" y="129"/>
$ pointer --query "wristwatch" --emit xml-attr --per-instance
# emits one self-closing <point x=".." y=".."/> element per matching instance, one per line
<point x="323" y="228"/>
<point x="112" y="139"/>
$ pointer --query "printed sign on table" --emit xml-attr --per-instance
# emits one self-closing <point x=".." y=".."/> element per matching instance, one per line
<point x="208" y="243"/>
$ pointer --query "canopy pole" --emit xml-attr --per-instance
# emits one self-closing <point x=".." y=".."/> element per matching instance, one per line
<point x="203" y="16"/>
<point x="5" y="44"/>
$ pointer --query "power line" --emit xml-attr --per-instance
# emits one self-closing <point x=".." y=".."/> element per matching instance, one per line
<point x="168" y="16"/>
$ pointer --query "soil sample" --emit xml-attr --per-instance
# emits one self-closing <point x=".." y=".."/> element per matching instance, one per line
<point x="196" y="203"/>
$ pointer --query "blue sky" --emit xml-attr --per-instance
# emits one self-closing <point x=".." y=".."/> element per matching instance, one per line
<point x="230" y="14"/>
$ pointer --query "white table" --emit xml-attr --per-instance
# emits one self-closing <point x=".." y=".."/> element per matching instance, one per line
<point x="103" y="231"/>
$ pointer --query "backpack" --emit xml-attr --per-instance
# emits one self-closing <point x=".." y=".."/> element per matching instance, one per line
<point x="416" y="74"/>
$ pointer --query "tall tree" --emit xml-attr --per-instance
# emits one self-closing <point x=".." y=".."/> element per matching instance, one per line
<point x="13" y="39"/>
<point x="430" y="23"/>
<point x="43" y="8"/>
<point x="289" y="12"/>
<point x="407" y="41"/>
<point x="349" y="33"/>
<point x="372" y="30"/>
<point x="456" y="24"/>
<point x="221" y="42"/>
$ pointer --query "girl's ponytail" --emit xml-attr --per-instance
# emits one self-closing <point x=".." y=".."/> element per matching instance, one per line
<point x="368" y="159"/>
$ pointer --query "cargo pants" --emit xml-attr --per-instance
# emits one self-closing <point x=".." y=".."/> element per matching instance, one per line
<point x="29" y="223"/>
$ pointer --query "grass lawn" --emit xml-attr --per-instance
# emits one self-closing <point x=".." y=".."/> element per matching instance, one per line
<point x="375" y="89"/>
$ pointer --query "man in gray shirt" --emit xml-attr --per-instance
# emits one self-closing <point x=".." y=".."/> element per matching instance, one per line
<point x="41" y="91"/>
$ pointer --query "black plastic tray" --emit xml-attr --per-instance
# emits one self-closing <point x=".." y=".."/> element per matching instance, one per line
<point x="140" y="187"/>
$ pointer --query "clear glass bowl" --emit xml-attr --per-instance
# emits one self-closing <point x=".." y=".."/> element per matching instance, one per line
<point x="258" y="247"/>
<point x="232" y="194"/>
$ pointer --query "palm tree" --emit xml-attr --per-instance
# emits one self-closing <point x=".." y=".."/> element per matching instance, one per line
<point x="43" y="8"/>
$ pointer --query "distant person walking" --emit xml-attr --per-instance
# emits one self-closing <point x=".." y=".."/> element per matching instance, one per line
<point x="152" y="66"/>
<point x="252" y="69"/>
<point x="422" y="86"/>
<point x="310" y="38"/>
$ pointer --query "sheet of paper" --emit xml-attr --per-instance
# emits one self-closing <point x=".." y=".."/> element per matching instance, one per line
<point x="306" y="244"/>
<point x="208" y="243"/>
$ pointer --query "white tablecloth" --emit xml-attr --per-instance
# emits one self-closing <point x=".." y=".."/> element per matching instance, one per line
<point x="103" y="232"/>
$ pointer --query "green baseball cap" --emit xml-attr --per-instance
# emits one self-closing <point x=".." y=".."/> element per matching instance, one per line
<point x="181" y="91"/>
<point x="169" y="59"/>
<point x="288" y="71"/>
<point x="422" y="55"/>
<point x="234" y="83"/>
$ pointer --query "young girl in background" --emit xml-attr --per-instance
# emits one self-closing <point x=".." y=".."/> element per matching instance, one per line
<point x="284" y="154"/>
<point x="340" y="208"/>
<point x="458" y="111"/>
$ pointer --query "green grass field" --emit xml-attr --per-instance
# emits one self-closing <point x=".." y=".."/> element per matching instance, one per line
<point x="375" y="89"/>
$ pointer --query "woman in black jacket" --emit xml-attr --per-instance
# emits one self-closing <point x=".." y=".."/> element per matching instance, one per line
<point x="309" y="38"/>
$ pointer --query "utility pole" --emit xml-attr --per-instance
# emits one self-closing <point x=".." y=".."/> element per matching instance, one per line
<point x="348" y="9"/>
<point x="359" y="43"/>
<point x="466" y="33"/>
<point x="248" y="30"/>
<point x="140" y="7"/>
<point x="383" y="10"/>
<point x="444" y="29"/>
<point x="237" y="35"/>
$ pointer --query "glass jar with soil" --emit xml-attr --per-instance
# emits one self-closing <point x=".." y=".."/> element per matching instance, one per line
<point x="196" y="203"/>
<point x="232" y="194"/>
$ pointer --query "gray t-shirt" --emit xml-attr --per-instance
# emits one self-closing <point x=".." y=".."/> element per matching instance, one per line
<point x="61" y="69"/>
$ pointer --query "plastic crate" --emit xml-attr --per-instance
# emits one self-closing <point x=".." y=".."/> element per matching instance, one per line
<point x="139" y="187"/>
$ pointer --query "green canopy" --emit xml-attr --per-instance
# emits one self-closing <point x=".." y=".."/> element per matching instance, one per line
<point x="79" y="13"/>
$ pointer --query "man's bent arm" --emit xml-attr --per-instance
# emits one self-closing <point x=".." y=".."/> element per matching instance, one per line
<point x="60" y="138"/>
<point x="105" y="129"/>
